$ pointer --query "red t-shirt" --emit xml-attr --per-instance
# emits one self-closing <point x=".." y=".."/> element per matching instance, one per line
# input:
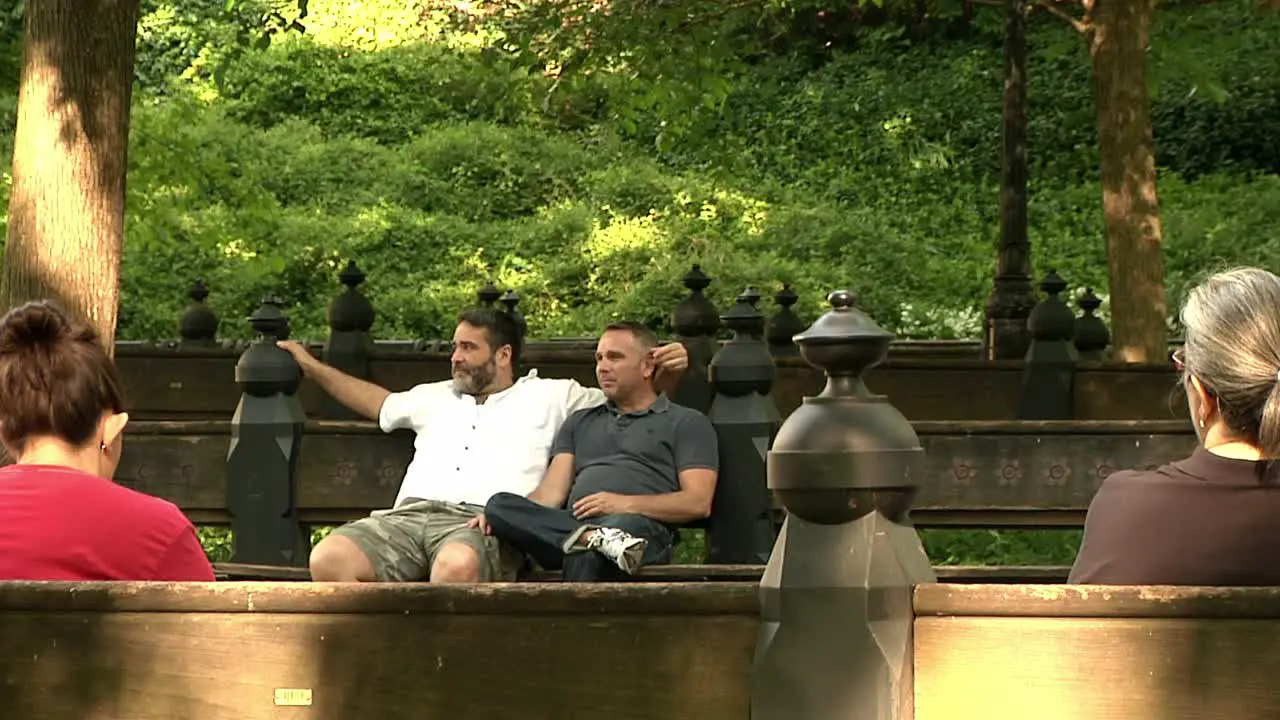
<point x="57" y="523"/>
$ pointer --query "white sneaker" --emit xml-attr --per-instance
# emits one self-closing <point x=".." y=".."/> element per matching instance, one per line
<point x="624" y="549"/>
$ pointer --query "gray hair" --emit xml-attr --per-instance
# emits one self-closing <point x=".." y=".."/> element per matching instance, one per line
<point x="1232" y="323"/>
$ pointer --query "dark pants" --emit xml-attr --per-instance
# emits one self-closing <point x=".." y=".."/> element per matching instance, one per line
<point x="541" y="532"/>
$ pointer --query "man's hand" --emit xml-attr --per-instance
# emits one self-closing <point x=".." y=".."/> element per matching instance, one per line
<point x="671" y="358"/>
<point x="670" y="361"/>
<point x="479" y="522"/>
<point x="602" y="503"/>
<point x="305" y="359"/>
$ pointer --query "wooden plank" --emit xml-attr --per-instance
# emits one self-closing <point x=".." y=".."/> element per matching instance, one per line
<point x="983" y="474"/>
<point x="988" y="574"/>
<point x="249" y="571"/>
<point x="974" y="428"/>
<point x="700" y="573"/>
<point x="752" y="573"/>
<point x="165" y="382"/>
<point x="370" y="598"/>
<point x="628" y="665"/>
<point x="1096" y="601"/>
<point x="979" y="468"/>
<point x="1069" y="668"/>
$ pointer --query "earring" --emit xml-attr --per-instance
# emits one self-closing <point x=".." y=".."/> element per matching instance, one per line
<point x="102" y="447"/>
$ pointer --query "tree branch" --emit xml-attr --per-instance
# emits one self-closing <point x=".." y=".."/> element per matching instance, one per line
<point x="1081" y="26"/>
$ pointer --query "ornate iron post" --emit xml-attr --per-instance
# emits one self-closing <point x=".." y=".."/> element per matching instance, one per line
<point x="266" y="436"/>
<point x="1048" y="375"/>
<point x="198" y="326"/>
<point x="509" y="301"/>
<point x="835" y="638"/>
<point x="696" y="321"/>
<point x="746" y="420"/>
<point x="1091" y="337"/>
<point x="351" y="317"/>
<point x="785" y="324"/>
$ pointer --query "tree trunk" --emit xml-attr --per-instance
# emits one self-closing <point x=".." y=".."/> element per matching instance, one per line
<point x="66" y="211"/>
<point x="1118" y="40"/>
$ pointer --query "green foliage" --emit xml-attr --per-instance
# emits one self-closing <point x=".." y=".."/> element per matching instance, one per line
<point x="587" y="165"/>
<point x="391" y="96"/>
<point x="944" y="547"/>
<point x="436" y="164"/>
<point x="1001" y="547"/>
<point x="217" y="540"/>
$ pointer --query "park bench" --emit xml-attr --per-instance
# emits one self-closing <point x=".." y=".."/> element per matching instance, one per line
<point x="157" y="651"/>
<point x="978" y="473"/>
<point x="1017" y="474"/>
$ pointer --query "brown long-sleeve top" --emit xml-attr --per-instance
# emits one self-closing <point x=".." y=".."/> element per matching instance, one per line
<point x="1203" y="520"/>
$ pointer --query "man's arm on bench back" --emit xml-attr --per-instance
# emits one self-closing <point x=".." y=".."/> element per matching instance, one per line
<point x="361" y="396"/>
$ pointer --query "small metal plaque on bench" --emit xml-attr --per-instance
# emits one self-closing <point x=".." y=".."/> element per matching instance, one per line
<point x="293" y="696"/>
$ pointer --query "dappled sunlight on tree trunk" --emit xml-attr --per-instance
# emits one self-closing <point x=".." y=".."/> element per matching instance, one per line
<point x="66" y="211"/>
<point x="1118" y="32"/>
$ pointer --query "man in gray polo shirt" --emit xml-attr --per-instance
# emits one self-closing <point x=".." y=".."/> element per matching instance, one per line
<point x="632" y="471"/>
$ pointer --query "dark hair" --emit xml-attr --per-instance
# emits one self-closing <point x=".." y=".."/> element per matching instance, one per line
<point x="499" y="329"/>
<point x="1232" y="323"/>
<point x="55" y="377"/>
<point x="639" y="331"/>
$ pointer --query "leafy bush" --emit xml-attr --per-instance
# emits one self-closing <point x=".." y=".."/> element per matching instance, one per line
<point x="589" y="232"/>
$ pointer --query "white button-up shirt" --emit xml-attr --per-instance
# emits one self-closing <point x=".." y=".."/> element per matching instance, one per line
<point x="465" y="452"/>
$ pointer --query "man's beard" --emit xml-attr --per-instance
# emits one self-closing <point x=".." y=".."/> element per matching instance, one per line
<point x="472" y="380"/>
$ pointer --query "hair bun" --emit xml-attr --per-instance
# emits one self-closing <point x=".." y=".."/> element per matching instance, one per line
<point x="31" y="325"/>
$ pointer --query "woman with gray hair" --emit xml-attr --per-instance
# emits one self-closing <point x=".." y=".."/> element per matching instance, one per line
<point x="1212" y="518"/>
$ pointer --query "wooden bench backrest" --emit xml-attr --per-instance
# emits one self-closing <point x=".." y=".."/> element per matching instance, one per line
<point x="1029" y="474"/>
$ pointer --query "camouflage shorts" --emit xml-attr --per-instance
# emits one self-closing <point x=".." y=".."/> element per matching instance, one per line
<point x="402" y="543"/>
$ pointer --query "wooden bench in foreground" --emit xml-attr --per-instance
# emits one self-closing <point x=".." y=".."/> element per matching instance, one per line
<point x="229" y="571"/>
<point x="210" y="651"/>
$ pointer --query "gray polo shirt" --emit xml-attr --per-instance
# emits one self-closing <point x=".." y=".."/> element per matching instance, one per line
<point x="635" y="453"/>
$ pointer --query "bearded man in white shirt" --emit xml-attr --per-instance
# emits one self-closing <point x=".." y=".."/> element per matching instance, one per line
<point x="480" y="433"/>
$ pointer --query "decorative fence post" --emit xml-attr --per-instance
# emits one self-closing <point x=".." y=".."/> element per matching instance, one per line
<point x="510" y="299"/>
<point x="746" y="421"/>
<point x="835" y="638"/>
<point x="785" y="324"/>
<point x="266" y="436"/>
<point x="198" y="326"/>
<point x="488" y="295"/>
<point x="351" y="317"/>
<point x="1048" y="377"/>
<point x="696" y="321"/>
<point x="1091" y="336"/>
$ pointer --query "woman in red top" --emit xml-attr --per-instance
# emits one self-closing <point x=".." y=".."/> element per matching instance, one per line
<point x="62" y="417"/>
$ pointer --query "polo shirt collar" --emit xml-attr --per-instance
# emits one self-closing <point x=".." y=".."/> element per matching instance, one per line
<point x="1206" y="466"/>
<point x="660" y="405"/>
